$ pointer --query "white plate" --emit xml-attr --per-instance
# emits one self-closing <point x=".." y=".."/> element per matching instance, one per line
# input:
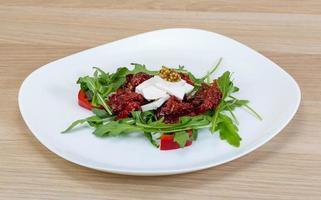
<point x="48" y="102"/>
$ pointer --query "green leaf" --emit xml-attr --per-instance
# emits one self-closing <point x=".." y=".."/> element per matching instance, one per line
<point x="83" y="85"/>
<point x="148" y="117"/>
<point x="136" y="115"/>
<point x="194" y="135"/>
<point x="102" y="102"/>
<point x="235" y="103"/>
<point x="102" y="74"/>
<point x="143" y="117"/>
<point x="208" y="80"/>
<point x="251" y="110"/>
<point x="100" y="113"/>
<point x="94" y="87"/>
<point x="228" y="130"/>
<point x="243" y="103"/>
<point x="215" y="119"/>
<point x="236" y="89"/>
<point x="227" y="87"/>
<point x="225" y="84"/>
<point x="91" y="120"/>
<point x="150" y="138"/>
<point x="115" y="128"/>
<point x="117" y="84"/>
<point x="89" y="81"/>
<point x="185" y="123"/>
<point x="141" y="68"/>
<point x="102" y="84"/>
<point x="181" y="69"/>
<point x="121" y="72"/>
<point x="181" y="138"/>
<point x="232" y="114"/>
<point x="96" y="74"/>
<point x="74" y="124"/>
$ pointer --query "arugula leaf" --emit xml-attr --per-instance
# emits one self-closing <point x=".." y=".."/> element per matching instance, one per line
<point x="245" y="104"/>
<point x="95" y="87"/>
<point x="83" y="84"/>
<point x="141" y="68"/>
<point x="100" y="113"/>
<point x="101" y="74"/>
<point x="142" y="122"/>
<point x="232" y="114"/>
<point x="150" y="138"/>
<point x="185" y="123"/>
<point x="121" y="72"/>
<point x="194" y="135"/>
<point x="235" y="103"/>
<point x="148" y="117"/>
<point x="93" y="121"/>
<point x="117" y="79"/>
<point x="223" y="123"/>
<point x="225" y="84"/>
<point x="228" y="130"/>
<point x="181" y="69"/>
<point x="181" y="137"/>
<point x="227" y="87"/>
<point x="101" y="101"/>
<point x="143" y="117"/>
<point x="115" y="128"/>
<point x="87" y="82"/>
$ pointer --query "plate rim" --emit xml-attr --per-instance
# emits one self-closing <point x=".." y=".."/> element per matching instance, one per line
<point x="250" y="148"/>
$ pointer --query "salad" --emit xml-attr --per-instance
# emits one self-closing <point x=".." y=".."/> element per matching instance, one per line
<point x="168" y="106"/>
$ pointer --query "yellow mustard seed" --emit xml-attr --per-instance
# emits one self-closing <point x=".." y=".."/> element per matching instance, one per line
<point x="169" y="74"/>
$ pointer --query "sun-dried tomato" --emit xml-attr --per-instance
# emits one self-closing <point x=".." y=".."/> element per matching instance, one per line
<point x="206" y="98"/>
<point x="173" y="108"/>
<point x="133" y="80"/>
<point x="125" y="101"/>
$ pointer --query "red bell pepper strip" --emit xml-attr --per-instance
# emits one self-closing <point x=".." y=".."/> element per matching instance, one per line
<point x="167" y="142"/>
<point x="83" y="100"/>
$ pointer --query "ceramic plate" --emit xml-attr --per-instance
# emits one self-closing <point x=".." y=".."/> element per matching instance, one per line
<point x="48" y="102"/>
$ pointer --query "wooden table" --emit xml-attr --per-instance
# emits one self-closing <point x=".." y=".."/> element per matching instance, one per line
<point x="33" y="33"/>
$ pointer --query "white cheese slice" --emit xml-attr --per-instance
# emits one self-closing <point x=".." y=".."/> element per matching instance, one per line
<point x="156" y="87"/>
<point x="147" y="83"/>
<point x="188" y="88"/>
<point x="177" y="91"/>
<point x="152" y="93"/>
<point x="155" y="104"/>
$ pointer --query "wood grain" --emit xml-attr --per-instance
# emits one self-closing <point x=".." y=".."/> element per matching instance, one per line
<point x="36" y="32"/>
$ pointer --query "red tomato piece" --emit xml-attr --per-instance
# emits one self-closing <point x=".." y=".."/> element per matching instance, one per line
<point x="167" y="142"/>
<point x="83" y="100"/>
